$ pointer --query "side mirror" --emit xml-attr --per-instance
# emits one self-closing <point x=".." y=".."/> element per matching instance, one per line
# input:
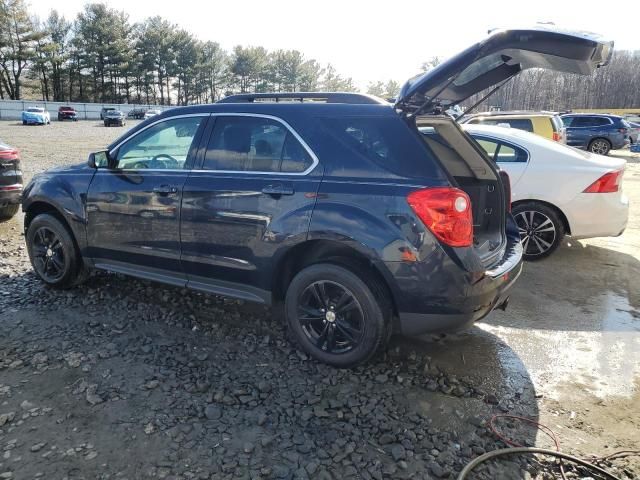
<point x="99" y="160"/>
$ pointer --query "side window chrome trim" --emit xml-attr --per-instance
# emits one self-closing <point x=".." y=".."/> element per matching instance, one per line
<point x="289" y="128"/>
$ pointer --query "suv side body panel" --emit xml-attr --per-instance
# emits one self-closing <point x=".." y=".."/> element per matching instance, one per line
<point x="608" y="127"/>
<point x="236" y="225"/>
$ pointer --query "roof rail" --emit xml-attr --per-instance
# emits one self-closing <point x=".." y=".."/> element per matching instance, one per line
<point x="322" y="97"/>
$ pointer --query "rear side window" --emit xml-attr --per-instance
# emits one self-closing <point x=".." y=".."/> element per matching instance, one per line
<point x="590" y="121"/>
<point x="385" y="141"/>
<point x="254" y="144"/>
<point x="502" y="152"/>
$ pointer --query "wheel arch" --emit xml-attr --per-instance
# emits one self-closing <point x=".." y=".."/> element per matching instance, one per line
<point x="41" y="207"/>
<point x="561" y="214"/>
<point x="315" y="251"/>
<point x="600" y="138"/>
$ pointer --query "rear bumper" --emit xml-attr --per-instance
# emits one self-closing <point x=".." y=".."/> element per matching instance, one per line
<point x="597" y="215"/>
<point x="450" y="298"/>
<point x="10" y="194"/>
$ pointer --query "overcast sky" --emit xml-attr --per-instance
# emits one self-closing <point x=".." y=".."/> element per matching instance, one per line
<point x="370" y="40"/>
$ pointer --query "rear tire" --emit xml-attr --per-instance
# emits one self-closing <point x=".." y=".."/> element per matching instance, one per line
<point x="335" y="316"/>
<point x="53" y="253"/>
<point x="600" y="146"/>
<point x="8" y="212"/>
<point x="541" y="229"/>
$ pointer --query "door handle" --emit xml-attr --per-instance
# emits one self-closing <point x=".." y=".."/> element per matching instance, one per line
<point x="278" y="189"/>
<point x="165" y="189"/>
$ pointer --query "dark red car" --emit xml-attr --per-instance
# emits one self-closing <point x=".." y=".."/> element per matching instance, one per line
<point x="67" y="113"/>
<point x="10" y="181"/>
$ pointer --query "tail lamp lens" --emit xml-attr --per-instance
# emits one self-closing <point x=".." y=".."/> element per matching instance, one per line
<point x="10" y="154"/>
<point x="608" y="183"/>
<point x="556" y="136"/>
<point x="446" y="211"/>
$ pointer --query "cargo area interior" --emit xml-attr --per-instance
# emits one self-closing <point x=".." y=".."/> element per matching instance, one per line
<point x="472" y="173"/>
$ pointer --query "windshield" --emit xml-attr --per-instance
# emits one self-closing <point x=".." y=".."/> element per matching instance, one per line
<point x="35" y="110"/>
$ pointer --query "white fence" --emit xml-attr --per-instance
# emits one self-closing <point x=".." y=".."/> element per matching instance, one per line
<point x="12" y="109"/>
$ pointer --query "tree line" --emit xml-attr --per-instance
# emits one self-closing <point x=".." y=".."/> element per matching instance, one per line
<point x="100" y="56"/>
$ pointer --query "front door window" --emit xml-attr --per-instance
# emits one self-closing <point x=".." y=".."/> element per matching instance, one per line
<point x="165" y="145"/>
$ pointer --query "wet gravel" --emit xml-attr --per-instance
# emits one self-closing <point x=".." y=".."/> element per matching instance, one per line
<point x="121" y="378"/>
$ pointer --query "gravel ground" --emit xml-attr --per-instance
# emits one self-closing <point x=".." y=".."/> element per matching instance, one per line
<point x="121" y="378"/>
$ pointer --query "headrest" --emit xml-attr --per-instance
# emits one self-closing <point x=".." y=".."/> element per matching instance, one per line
<point x="237" y="138"/>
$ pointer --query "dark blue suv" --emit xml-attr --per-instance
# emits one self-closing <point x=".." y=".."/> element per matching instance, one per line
<point x="597" y="133"/>
<point x="330" y="203"/>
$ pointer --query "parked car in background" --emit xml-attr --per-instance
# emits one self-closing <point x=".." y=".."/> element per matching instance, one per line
<point x="632" y="117"/>
<point x="151" y="113"/>
<point x="114" y="117"/>
<point x="10" y="181"/>
<point x="546" y="124"/>
<point x="136" y="113"/>
<point x="67" y="113"/>
<point x="556" y="190"/>
<point x="35" y="116"/>
<point x="336" y="207"/>
<point x="104" y="110"/>
<point x="596" y="132"/>
<point x="634" y="131"/>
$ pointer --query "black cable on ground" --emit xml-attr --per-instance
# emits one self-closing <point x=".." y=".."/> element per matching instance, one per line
<point x="532" y="450"/>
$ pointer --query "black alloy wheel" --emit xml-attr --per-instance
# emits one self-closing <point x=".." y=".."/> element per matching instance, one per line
<point x="48" y="255"/>
<point x="337" y="315"/>
<point x="331" y="317"/>
<point x="53" y="252"/>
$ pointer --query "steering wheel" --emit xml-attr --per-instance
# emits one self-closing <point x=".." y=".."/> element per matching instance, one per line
<point x="163" y="159"/>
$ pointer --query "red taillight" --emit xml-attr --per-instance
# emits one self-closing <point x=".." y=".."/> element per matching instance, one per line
<point x="557" y="137"/>
<point x="622" y="130"/>
<point x="446" y="211"/>
<point x="608" y="183"/>
<point x="10" y="154"/>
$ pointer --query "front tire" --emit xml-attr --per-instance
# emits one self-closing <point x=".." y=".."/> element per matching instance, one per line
<point x="53" y="253"/>
<point x="335" y="316"/>
<point x="8" y="212"/>
<point x="600" y="146"/>
<point x="541" y="229"/>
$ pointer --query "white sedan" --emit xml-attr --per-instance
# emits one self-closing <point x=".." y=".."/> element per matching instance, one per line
<point x="151" y="113"/>
<point x="555" y="189"/>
